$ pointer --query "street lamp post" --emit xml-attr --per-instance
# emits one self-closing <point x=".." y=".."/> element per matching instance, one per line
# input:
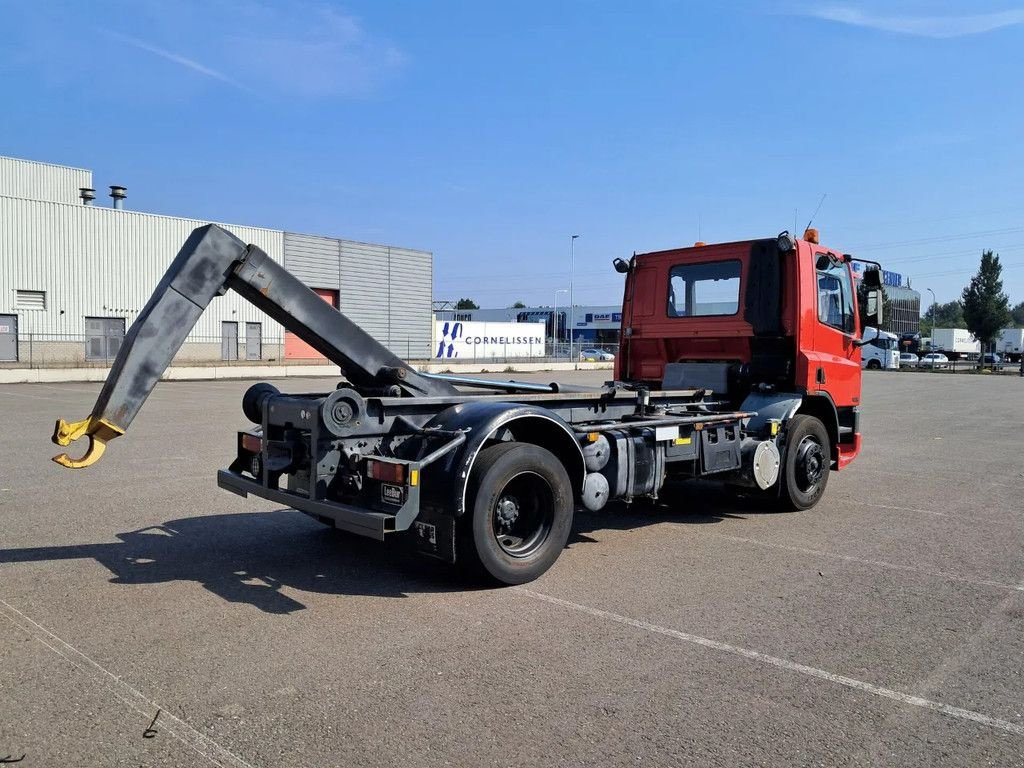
<point x="554" y="319"/>
<point x="934" y="302"/>
<point x="572" y="305"/>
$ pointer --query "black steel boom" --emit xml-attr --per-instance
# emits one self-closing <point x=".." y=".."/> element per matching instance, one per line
<point x="211" y="261"/>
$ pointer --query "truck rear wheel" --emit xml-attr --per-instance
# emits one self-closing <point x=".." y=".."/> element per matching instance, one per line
<point x="874" y="365"/>
<point x="519" y="509"/>
<point x="806" y="465"/>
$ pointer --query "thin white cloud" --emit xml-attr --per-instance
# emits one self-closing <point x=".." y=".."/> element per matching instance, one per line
<point x="184" y="61"/>
<point x="313" y="51"/>
<point x="922" y="26"/>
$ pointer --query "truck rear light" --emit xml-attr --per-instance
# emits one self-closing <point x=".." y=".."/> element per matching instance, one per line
<point x="385" y="471"/>
<point x="252" y="443"/>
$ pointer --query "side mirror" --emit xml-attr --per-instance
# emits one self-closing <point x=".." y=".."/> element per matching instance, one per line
<point x="873" y="310"/>
<point x="621" y="266"/>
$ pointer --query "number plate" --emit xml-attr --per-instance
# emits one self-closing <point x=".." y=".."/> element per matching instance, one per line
<point x="392" y="494"/>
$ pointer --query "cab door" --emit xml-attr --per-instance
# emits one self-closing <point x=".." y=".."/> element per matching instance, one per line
<point x="835" y="368"/>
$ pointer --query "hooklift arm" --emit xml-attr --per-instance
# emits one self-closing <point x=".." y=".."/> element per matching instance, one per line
<point x="211" y="261"/>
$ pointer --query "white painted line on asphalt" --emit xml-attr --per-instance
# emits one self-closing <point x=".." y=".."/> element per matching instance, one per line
<point x="939" y="476"/>
<point x="92" y="392"/>
<point x="968" y="518"/>
<point x="4" y="392"/>
<point x="878" y="563"/>
<point x="135" y="700"/>
<point x="791" y="666"/>
<point x="900" y="509"/>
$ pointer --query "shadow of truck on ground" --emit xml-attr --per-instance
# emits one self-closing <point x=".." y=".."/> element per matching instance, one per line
<point x="249" y="557"/>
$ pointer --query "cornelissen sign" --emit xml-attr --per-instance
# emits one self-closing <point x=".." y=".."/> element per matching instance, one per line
<point x="473" y="339"/>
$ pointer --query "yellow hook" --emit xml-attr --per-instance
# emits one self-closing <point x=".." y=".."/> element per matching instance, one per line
<point x="99" y="433"/>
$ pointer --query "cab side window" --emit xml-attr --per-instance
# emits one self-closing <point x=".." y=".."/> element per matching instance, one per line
<point x="835" y="296"/>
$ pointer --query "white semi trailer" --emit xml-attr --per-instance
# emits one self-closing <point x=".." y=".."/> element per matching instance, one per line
<point x="1011" y="344"/>
<point x="955" y="343"/>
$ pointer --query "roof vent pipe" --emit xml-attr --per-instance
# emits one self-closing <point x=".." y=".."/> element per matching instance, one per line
<point x="119" y="194"/>
<point x="88" y="194"/>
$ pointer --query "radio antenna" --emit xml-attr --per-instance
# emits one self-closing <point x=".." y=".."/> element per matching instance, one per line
<point x="811" y="220"/>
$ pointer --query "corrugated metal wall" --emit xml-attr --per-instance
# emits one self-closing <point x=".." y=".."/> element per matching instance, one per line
<point x="386" y="290"/>
<point x="410" y="290"/>
<point x="101" y="262"/>
<point x="313" y="259"/>
<point x="42" y="181"/>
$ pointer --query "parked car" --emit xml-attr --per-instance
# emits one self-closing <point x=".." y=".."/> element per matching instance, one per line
<point x="991" y="360"/>
<point x="908" y="360"/>
<point x="933" y="360"/>
<point x="596" y="355"/>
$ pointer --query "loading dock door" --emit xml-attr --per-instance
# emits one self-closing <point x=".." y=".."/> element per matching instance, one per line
<point x="294" y="347"/>
<point x="253" y="341"/>
<point x="8" y="338"/>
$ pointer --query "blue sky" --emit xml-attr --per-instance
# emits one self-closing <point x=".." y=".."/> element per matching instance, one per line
<point x="488" y="133"/>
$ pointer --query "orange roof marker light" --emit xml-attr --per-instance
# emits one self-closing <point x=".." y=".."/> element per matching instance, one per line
<point x="699" y="244"/>
<point x="811" y="235"/>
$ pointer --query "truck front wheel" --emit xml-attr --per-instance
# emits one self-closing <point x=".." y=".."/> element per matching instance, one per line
<point x="519" y="509"/>
<point x="806" y="465"/>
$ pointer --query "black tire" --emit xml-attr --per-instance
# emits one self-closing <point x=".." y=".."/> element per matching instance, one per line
<point x="806" y="465"/>
<point x="519" y="509"/>
<point x="874" y="365"/>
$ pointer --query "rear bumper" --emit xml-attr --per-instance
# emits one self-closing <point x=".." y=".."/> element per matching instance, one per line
<point x="342" y="516"/>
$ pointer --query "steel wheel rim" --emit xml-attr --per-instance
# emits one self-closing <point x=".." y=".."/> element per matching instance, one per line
<point x="810" y="464"/>
<point x="523" y="515"/>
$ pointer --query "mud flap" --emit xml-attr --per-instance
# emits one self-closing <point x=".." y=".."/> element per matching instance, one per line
<point x="434" y="533"/>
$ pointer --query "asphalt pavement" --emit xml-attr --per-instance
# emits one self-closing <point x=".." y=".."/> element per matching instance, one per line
<point x="148" y="618"/>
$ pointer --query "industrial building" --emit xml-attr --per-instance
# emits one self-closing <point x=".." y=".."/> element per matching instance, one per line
<point x="75" y="275"/>
<point x="903" y="302"/>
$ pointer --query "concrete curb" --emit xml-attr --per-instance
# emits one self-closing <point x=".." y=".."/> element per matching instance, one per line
<point x="200" y="373"/>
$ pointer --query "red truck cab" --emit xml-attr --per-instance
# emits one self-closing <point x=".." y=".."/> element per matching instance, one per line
<point x="770" y="323"/>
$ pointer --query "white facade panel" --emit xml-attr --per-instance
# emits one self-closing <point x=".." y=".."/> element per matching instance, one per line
<point x="42" y="181"/>
<point x="101" y="262"/>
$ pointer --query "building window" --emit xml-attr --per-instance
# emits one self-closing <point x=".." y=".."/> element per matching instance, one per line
<point x="30" y="299"/>
<point x="103" y="337"/>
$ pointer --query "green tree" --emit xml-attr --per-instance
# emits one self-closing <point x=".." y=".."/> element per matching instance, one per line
<point x="1017" y="313"/>
<point x="519" y="305"/>
<point x="948" y="315"/>
<point x="986" y="307"/>
<point x="466" y="304"/>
